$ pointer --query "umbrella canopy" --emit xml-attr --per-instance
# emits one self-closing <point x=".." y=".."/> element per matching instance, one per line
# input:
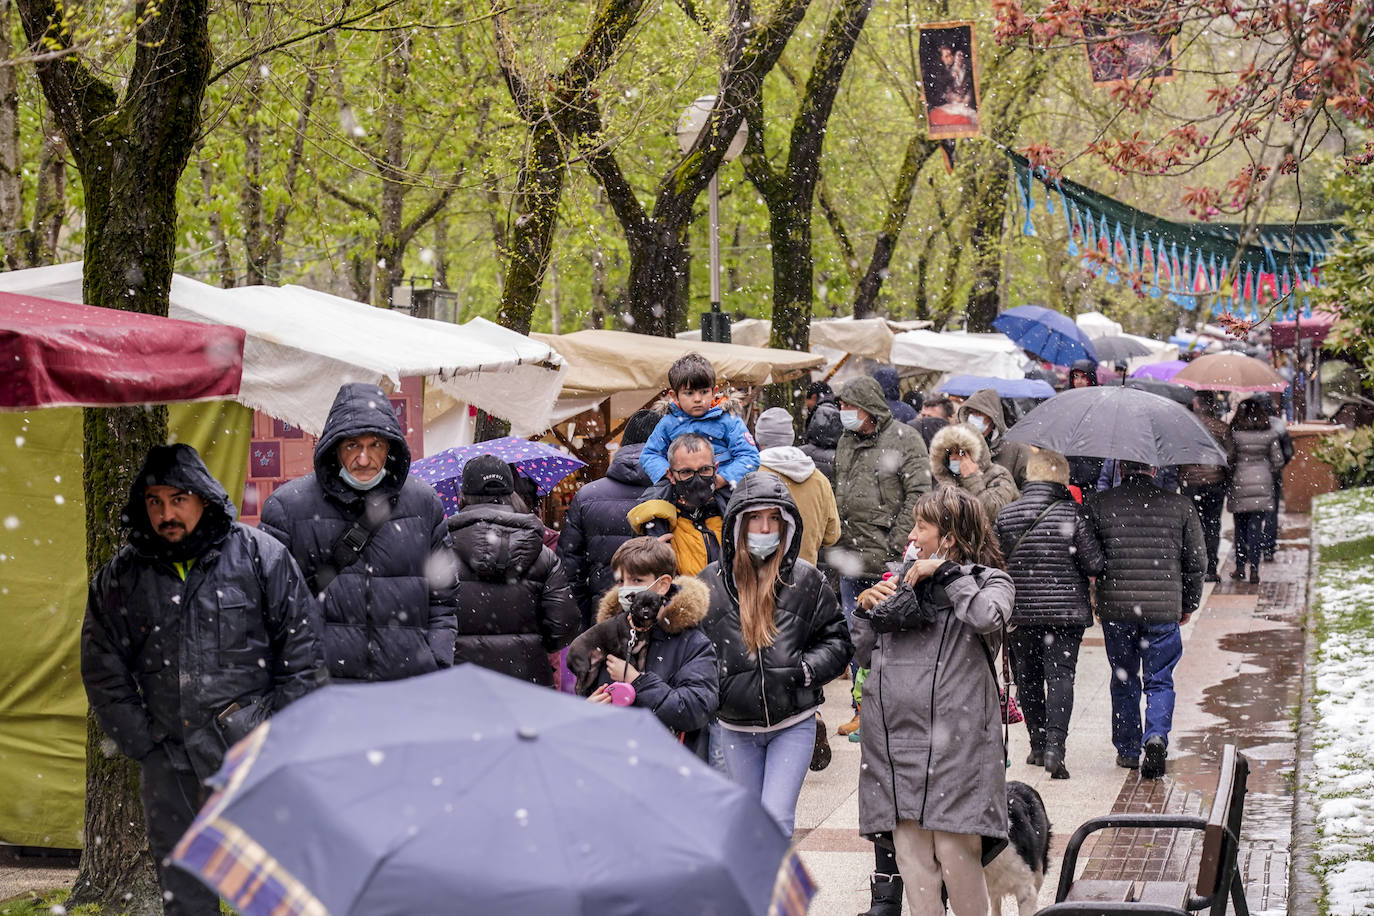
<point x="1048" y="334"/>
<point x="965" y="385"/>
<point x="467" y="791"/>
<point x="1112" y="349"/>
<point x="543" y="464"/>
<point x="1118" y="422"/>
<point x="1162" y="372"/>
<point x="1229" y="372"/>
<point x="55" y="354"/>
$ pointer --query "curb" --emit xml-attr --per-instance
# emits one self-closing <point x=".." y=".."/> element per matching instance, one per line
<point x="1305" y="891"/>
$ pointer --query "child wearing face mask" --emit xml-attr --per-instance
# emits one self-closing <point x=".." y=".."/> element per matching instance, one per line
<point x="678" y="682"/>
<point x="779" y="636"/>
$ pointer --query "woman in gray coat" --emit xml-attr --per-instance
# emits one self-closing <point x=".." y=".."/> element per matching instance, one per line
<point x="1258" y="458"/>
<point x="933" y="761"/>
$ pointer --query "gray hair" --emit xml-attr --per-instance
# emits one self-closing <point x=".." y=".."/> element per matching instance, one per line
<point x="691" y="442"/>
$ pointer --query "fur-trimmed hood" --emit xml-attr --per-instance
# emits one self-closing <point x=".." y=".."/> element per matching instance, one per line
<point x="688" y="602"/>
<point x="959" y="435"/>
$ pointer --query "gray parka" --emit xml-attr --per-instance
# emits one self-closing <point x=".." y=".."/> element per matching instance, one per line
<point x="1258" y="458"/>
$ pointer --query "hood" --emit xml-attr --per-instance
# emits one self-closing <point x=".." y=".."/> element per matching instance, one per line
<point x="887" y="379"/>
<point x="625" y="467"/>
<point x="1087" y="367"/>
<point x="789" y="461"/>
<point x="963" y="436"/>
<point x="688" y="601"/>
<point x="360" y="409"/>
<point x="985" y="401"/>
<point x="177" y="466"/>
<point x="867" y="395"/>
<point x="496" y="542"/>
<point x="823" y="429"/>
<point x="760" y="490"/>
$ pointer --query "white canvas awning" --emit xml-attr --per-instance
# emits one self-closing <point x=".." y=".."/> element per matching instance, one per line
<point x="956" y="351"/>
<point x="1096" y="324"/>
<point x="303" y="344"/>
<point x="866" y="338"/>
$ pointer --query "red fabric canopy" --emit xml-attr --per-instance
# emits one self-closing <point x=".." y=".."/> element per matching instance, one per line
<point x="1285" y="334"/>
<point x="57" y="354"/>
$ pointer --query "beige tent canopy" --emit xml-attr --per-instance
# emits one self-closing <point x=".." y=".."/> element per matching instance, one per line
<point x="834" y="338"/>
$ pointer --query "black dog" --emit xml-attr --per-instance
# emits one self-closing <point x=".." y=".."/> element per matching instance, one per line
<point x="1019" y="869"/>
<point x="624" y="635"/>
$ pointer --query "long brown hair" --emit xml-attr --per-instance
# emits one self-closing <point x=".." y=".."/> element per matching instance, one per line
<point x="754" y="583"/>
<point x="959" y="516"/>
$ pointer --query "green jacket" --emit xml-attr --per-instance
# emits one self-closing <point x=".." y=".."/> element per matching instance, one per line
<point x="878" y="478"/>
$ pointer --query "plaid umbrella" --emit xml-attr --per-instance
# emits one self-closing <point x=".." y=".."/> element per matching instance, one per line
<point x="543" y="464"/>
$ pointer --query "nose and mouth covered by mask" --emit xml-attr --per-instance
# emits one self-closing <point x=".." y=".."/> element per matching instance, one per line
<point x="849" y="419"/>
<point x="695" y="492"/>
<point x="979" y="423"/>
<point x="763" y="546"/>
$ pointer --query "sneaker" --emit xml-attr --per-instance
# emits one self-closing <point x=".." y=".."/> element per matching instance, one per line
<point x="856" y="737"/>
<point x="1211" y="577"/>
<point x="849" y="727"/>
<point x="1155" y="754"/>
<point x="1127" y="763"/>
<point x="1238" y="574"/>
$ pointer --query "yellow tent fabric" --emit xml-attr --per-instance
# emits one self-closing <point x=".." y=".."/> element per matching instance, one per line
<point x="43" y="599"/>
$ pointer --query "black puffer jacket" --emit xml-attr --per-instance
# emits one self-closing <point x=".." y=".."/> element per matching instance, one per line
<point x="595" y="526"/>
<point x="823" y="431"/>
<point x="1155" y="557"/>
<point x="1054" y="559"/>
<point x="162" y="656"/>
<point x="765" y="689"/>
<point x="390" y="614"/>
<point x="514" y="606"/>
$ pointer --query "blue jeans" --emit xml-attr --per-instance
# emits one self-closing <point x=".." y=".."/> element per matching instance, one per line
<point x="850" y="587"/>
<point x="772" y="765"/>
<point x="1135" y="651"/>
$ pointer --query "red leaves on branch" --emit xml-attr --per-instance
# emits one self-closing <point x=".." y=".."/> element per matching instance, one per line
<point x="1042" y="156"/>
<point x="1202" y="202"/>
<point x="1234" y="325"/>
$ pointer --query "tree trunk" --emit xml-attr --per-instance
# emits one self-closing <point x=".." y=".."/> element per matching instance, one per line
<point x="49" y="202"/>
<point x="658" y="278"/>
<point x="918" y="150"/>
<point x="11" y="156"/>
<point x="790" y="234"/>
<point x="530" y="235"/>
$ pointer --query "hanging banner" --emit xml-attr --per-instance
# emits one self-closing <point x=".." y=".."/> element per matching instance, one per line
<point x="1121" y="52"/>
<point x="949" y="79"/>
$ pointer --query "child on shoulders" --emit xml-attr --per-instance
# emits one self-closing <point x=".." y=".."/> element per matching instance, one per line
<point x="693" y="409"/>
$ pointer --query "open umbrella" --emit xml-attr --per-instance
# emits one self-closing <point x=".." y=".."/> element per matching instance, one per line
<point x="1118" y="422"/>
<point x="1112" y="349"/>
<point x="1048" y="334"/>
<point x="1162" y="372"/>
<point x="1229" y="372"/>
<point x="965" y="385"/>
<point x="467" y="791"/>
<point x="543" y="464"/>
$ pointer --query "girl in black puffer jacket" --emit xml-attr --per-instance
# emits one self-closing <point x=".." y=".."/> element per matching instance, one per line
<point x="514" y="605"/>
<point x="779" y="636"/>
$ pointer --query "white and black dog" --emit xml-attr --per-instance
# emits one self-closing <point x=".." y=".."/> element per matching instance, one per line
<point x="1019" y="869"/>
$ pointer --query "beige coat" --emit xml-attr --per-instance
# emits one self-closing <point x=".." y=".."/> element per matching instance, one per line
<point x="811" y="492"/>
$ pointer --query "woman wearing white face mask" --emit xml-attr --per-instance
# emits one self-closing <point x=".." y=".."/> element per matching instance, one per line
<point x="779" y="636"/>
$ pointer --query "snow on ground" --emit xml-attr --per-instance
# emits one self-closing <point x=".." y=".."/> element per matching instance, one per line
<point x="1343" y="757"/>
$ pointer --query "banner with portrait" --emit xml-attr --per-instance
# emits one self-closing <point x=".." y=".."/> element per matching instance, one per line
<point x="1122" y="51"/>
<point x="949" y="79"/>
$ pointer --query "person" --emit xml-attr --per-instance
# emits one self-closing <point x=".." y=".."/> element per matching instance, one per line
<point x="933" y="773"/>
<point x="823" y="431"/>
<point x="1151" y="583"/>
<point x="817" y="393"/>
<point x="1084" y="470"/>
<point x="595" y="525"/>
<point x="514" y="603"/>
<point x="1083" y="374"/>
<point x="881" y="469"/>
<point x="1259" y="457"/>
<point x="1051" y="552"/>
<point x="952" y="86"/>
<point x="809" y="488"/>
<point x="936" y="413"/>
<point x="916" y="401"/>
<point x="686" y="507"/>
<point x="1205" y="484"/>
<point x="959" y="458"/>
<point x="983" y="410"/>
<point x="890" y="382"/>
<point x="372" y="545"/>
<point x="779" y="637"/>
<point x="1269" y="537"/>
<point x="198" y="629"/>
<point x="693" y="408"/>
<point x="677" y="679"/>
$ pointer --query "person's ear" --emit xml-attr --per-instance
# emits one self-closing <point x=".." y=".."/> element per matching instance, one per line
<point x="662" y="584"/>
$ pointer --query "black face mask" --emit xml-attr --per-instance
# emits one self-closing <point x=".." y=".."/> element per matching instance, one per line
<point x="694" y="493"/>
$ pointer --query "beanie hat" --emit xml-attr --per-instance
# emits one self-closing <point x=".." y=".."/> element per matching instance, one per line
<point x="487" y="475"/>
<point x="640" y="427"/>
<point x="1048" y="466"/>
<point x="774" y="428"/>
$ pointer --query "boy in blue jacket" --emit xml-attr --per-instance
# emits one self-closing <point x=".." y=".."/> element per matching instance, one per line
<point x="691" y="390"/>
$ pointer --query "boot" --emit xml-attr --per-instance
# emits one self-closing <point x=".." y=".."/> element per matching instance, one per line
<point x="849" y="727"/>
<point x="1254" y="574"/>
<point x="887" y="895"/>
<point x="820" y="757"/>
<point x="1054" y="757"/>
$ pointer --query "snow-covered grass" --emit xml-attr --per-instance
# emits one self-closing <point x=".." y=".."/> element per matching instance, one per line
<point x="1342" y="776"/>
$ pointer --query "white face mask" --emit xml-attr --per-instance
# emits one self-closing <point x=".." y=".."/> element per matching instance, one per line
<point x="849" y="419"/>
<point x="763" y="546"/>
<point x="627" y="594"/>
<point x="978" y="422"/>
<point x="954" y="466"/>
<point x="363" y="485"/>
<point x="912" y="552"/>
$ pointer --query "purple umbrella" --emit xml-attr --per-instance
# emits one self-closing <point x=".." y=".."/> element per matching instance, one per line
<point x="1161" y="372"/>
<point x="541" y="463"/>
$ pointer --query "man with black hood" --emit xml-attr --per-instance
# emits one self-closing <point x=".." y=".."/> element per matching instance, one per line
<point x="889" y="381"/>
<point x="198" y="630"/>
<point x="983" y="410"/>
<point x="372" y="543"/>
<point x="684" y="507"/>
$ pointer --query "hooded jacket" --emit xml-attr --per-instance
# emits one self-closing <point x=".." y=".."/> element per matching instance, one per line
<point x="1258" y="458"/>
<point x="596" y="525"/>
<point x="767" y="689"/>
<point x="163" y="655"/>
<point x="888" y="379"/>
<point x="878" y="478"/>
<point x="1010" y="455"/>
<point x="679" y="683"/>
<point x="1088" y="368"/>
<point x="1155" y="556"/>
<point x="514" y="606"/>
<point x="823" y="430"/>
<point x="992" y="485"/>
<point x="390" y="614"/>
<point x="736" y="454"/>
<point x="811" y="492"/>
<point x="696" y="532"/>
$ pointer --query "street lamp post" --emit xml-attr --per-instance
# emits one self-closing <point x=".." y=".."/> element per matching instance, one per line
<point x="715" y="324"/>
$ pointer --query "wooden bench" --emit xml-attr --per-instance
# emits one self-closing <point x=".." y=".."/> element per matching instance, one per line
<point x="1218" y="877"/>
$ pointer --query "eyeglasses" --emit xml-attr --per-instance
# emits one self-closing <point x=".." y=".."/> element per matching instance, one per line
<point x="684" y="474"/>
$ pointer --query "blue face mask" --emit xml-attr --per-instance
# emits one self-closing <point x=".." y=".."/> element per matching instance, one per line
<point x="954" y="467"/>
<point x="763" y="546"/>
<point x="363" y="485"/>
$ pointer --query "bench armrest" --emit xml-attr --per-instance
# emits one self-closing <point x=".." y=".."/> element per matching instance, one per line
<point x="1110" y="821"/>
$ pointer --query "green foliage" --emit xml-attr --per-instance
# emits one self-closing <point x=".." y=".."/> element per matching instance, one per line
<point x="1350" y="455"/>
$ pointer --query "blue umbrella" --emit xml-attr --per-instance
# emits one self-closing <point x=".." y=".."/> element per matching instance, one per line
<point x="965" y="385"/>
<point x="467" y="791"/>
<point x="1050" y="335"/>
<point x="543" y="464"/>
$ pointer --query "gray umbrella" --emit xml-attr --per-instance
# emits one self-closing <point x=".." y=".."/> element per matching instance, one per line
<point x="1125" y="423"/>
<point x="1111" y="349"/>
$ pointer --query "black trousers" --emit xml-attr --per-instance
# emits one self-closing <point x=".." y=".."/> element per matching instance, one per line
<point x="1044" y="661"/>
<point x="1210" y="499"/>
<point x="171" y="799"/>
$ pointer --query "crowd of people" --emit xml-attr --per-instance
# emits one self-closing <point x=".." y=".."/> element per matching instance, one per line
<point x="907" y="541"/>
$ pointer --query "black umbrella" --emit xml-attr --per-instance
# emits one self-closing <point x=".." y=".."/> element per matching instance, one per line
<point x="1164" y="389"/>
<point x="1111" y="349"/>
<point x="1118" y="422"/>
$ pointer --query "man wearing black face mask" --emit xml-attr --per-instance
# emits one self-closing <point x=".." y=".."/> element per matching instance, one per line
<point x="685" y="508"/>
